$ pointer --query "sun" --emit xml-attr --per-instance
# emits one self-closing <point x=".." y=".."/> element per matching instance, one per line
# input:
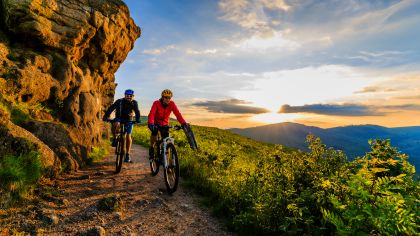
<point x="271" y="118"/>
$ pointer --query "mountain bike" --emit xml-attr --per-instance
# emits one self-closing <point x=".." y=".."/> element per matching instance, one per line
<point x="120" y="146"/>
<point x="164" y="153"/>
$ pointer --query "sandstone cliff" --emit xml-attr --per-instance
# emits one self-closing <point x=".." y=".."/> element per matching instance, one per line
<point x="57" y="61"/>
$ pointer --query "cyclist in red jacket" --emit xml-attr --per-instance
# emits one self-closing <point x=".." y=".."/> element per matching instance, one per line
<point x="159" y="117"/>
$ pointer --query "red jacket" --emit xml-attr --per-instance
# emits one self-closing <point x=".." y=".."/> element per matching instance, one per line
<point x="159" y="115"/>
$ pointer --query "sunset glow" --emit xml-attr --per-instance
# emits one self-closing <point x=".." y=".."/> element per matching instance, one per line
<point x="271" y="118"/>
<point x="255" y="62"/>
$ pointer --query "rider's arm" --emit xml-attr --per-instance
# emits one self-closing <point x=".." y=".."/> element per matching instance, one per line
<point x="151" y="117"/>
<point x="110" y="110"/>
<point x="137" y="111"/>
<point x="178" y="114"/>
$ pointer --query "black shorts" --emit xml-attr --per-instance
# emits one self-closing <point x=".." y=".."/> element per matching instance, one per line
<point x="164" y="131"/>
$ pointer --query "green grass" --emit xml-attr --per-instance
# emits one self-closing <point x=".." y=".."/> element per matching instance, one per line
<point x="4" y="113"/>
<point x="21" y="112"/>
<point x="19" y="175"/>
<point x="98" y="153"/>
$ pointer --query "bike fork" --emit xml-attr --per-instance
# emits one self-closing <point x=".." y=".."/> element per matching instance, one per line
<point x="165" y="160"/>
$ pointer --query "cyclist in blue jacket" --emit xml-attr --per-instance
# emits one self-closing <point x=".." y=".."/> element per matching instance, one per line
<point x="124" y="108"/>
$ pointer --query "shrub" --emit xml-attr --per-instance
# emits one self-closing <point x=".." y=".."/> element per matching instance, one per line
<point x="381" y="197"/>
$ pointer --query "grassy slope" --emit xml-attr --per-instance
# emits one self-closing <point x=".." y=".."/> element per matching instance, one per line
<point x="271" y="189"/>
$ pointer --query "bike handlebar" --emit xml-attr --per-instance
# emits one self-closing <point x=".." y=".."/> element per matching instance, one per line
<point x="177" y="127"/>
<point x="122" y="121"/>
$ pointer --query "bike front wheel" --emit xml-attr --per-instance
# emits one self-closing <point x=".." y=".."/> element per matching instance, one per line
<point x="120" y="150"/>
<point x="154" y="161"/>
<point x="171" y="173"/>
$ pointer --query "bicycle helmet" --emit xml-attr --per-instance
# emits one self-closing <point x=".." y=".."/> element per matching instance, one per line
<point x="166" y="93"/>
<point x="129" y="92"/>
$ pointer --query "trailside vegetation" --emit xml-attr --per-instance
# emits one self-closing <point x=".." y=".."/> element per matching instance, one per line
<point x="19" y="176"/>
<point x="270" y="189"/>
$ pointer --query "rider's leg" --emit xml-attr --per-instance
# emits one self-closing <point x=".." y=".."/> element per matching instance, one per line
<point x="153" y="139"/>
<point x="114" y="129"/>
<point x="128" y="141"/>
<point x="165" y="133"/>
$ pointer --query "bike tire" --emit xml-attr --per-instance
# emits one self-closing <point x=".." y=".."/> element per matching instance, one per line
<point x="154" y="162"/>
<point x="171" y="173"/>
<point x="120" y="154"/>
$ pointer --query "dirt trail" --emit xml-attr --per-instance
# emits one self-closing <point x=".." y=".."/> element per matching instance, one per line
<point x="147" y="210"/>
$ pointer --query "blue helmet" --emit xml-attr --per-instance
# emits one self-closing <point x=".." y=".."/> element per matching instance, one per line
<point x="129" y="92"/>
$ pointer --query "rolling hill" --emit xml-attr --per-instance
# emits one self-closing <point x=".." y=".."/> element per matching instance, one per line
<point x="353" y="140"/>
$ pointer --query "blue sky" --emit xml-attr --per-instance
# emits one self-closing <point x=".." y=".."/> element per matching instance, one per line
<point x="239" y="63"/>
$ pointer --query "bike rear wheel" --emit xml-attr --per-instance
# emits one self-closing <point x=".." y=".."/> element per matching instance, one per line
<point x="120" y="150"/>
<point x="171" y="173"/>
<point x="154" y="161"/>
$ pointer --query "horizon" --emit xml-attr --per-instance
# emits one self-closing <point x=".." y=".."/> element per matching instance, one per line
<point x="323" y="64"/>
<point x="324" y="128"/>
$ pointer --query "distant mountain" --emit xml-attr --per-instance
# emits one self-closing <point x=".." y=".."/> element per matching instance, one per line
<point x="353" y="140"/>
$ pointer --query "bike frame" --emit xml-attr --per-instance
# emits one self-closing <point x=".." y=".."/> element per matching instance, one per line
<point x="167" y="141"/>
<point x="121" y="148"/>
<point x="169" y="163"/>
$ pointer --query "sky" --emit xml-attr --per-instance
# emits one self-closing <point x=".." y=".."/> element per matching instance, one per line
<point x="246" y="63"/>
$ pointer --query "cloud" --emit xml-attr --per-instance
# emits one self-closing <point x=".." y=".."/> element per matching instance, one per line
<point x="415" y="97"/>
<point x="190" y="51"/>
<point x="369" y="89"/>
<point x="152" y="51"/>
<point x="375" y="89"/>
<point x="348" y="109"/>
<point x="276" y="4"/>
<point x="158" y="51"/>
<point x="333" y="109"/>
<point x="411" y="107"/>
<point x="382" y="53"/>
<point x="380" y="57"/>
<point x="308" y="85"/>
<point x="250" y="14"/>
<point x="231" y="106"/>
<point x="274" y="41"/>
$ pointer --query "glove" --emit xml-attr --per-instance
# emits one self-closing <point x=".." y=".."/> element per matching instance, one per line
<point x="184" y="125"/>
<point x="151" y="127"/>
<point x="137" y="121"/>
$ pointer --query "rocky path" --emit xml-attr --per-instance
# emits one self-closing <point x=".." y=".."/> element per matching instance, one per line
<point x="147" y="208"/>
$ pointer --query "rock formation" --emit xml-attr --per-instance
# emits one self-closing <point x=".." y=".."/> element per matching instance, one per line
<point x="58" y="58"/>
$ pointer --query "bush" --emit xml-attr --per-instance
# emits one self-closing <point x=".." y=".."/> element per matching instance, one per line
<point x="380" y="197"/>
